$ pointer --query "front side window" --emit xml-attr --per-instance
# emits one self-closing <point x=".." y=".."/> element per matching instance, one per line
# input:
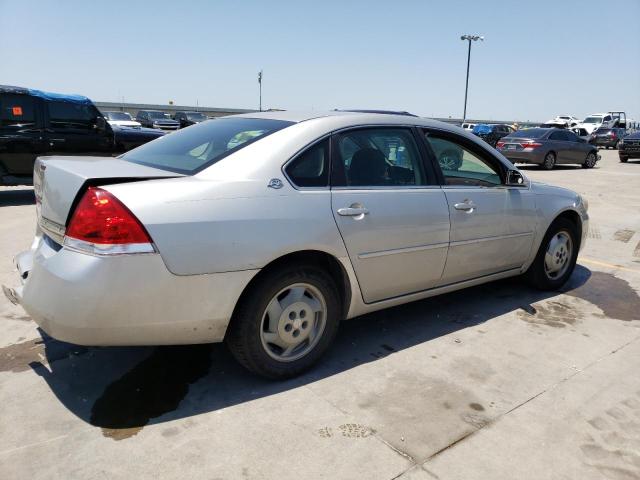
<point x="17" y="111"/>
<point x="190" y="150"/>
<point x="65" y="115"/>
<point x="460" y="166"/>
<point x="311" y="167"/>
<point x="379" y="157"/>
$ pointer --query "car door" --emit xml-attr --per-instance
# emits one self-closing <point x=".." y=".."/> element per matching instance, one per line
<point x="21" y="133"/>
<point x="72" y="129"/>
<point x="560" y="146"/>
<point x="492" y="224"/>
<point x="576" y="149"/>
<point x="392" y="215"/>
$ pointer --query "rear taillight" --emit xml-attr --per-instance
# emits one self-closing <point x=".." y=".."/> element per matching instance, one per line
<point x="102" y="225"/>
<point x="500" y="144"/>
<point x="531" y="145"/>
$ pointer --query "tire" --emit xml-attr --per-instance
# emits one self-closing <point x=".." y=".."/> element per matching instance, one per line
<point x="253" y="339"/>
<point x="538" y="274"/>
<point x="624" y="159"/>
<point x="549" y="161"/>
<point x="590" y="161"/>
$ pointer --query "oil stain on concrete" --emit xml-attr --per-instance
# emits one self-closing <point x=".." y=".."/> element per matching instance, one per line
<point x="21" y="356"/>
<point x="552" y="314"/>
<point x="154" y="387"/>
<point x="613" y="295"/>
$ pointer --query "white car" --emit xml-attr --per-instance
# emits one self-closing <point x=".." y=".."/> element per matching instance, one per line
<point x="595" y="121"/>
<point x="122" y="119"/>
<point x="569" y="120"/>
<point x="468" y="126"/>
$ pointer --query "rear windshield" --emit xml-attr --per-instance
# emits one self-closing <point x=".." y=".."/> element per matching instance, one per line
<point x="193" y="149"/>
<point x="529" y="133"/>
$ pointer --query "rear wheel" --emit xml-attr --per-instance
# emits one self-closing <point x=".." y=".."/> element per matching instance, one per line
<point x="285" y="322"/>
<point x="590" y="161"/>
<point x="556" y="258"/>
<point x="549" y="161"/>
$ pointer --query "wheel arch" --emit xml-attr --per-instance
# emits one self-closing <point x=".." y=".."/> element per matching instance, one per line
<point x="319" y="258"/>
<point x="574" y="217"/>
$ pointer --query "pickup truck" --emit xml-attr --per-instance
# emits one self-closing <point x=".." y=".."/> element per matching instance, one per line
<point x="34" y="123"/>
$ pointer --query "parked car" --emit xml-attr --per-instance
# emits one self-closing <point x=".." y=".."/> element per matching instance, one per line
<point x="629" y="147"/>
<point x="262" y="244"/>
<point x="491" y="133"/>
<point x="583" y="134"/>
<point x="128" y="138"/>
<point x="569" y="120"/>
<point x="595" y="121"/>
<point x="122" y="119"/>
<point x="33" y="123"/>
<point x="156" y="119"/>
<point x="468" y="126"/>
<point x="607" y="137"/>
<point x="186" y="119"/>
<point x="548" y="147"/>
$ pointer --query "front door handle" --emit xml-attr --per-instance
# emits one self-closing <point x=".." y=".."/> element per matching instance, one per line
<point x="353" y="211"/>
<point x="466" y="206"/>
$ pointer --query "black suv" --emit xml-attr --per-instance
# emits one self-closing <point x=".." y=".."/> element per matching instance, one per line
<point x="189" y="118"/>
<point x="629" y="147"/>
<point x="156" y="119"/>
<point x="491" y="133"/>
<point x="35" y="123"/>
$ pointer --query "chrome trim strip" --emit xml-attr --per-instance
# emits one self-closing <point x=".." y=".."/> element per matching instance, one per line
<point x="53" y="229"/>
<point x="488" y="239"/>
<point x="418" y="248"/>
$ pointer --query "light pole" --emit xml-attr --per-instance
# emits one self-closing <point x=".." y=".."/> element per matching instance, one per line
<point x="260" y="86"/>
<point x="470" y="38"/>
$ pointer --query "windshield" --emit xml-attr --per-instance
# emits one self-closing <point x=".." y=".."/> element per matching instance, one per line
<point x="195" y="148"/>
<point x="160" y="115"/>
<point x="529" y="133"/>
<point x="196" y="116"/>
<point x="118" y="116"/>
<point x="593" y="120"/>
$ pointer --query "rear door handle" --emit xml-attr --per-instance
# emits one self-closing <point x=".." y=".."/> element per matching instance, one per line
<point x="352" y="211"/>
<point x="466" y="206"/>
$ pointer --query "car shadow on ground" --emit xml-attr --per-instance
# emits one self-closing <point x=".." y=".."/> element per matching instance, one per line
<point x="123" y="389"/>
<point x="16" y="198"/>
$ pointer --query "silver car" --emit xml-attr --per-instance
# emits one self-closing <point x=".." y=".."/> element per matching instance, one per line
<point x="266" y="230"/>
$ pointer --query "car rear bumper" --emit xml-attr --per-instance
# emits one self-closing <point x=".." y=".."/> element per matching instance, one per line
<point x="123" y="299"/>
<point x="523" y="157"/>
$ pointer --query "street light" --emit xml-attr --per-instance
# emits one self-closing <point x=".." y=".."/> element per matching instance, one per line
<point x="260" y="83"/>
<point x="470" y="38"/>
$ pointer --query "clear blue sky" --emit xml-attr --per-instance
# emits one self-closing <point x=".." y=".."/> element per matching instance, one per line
<point x="539" y="58"/>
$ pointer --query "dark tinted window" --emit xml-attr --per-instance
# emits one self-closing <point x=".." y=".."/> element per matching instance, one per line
<point x="556" y="136"/>
<point x="570" y="136"/>
<point x="311" y="168"/>
<point x="529" y="133"/>
<point x="196" y="116"/>
<point x="69" y="115"/>
<point x="17" y="111"/>
<point x="192" y="149"/>
<point x="377" y="157"/>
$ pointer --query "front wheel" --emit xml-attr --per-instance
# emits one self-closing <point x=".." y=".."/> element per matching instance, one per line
<point x="285" y="323"/>
<point x="549" y="161"/>
<point x="590" y="161"/>
<point x="624" y="159"/>
<point x="556" y="257"/>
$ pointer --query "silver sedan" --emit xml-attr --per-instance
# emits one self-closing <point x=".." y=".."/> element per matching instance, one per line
<point x="266" y="230"/>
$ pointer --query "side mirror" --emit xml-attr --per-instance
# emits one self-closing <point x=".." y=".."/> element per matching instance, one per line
<point x="101" y="123"/>
<point x="515" y="178"/>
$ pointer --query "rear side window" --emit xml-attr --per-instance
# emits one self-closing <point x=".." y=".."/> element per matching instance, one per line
<point x="311" y="167"/>
<point x="190" y="150"/>
<point x="71" y="116"/>
<point x="17" y="111"/>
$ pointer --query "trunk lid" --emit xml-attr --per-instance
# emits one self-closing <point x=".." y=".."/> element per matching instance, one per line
<point x="57" y="182"/>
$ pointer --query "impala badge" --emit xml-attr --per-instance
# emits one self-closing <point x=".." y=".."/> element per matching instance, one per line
<point x="275" y="183"/>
